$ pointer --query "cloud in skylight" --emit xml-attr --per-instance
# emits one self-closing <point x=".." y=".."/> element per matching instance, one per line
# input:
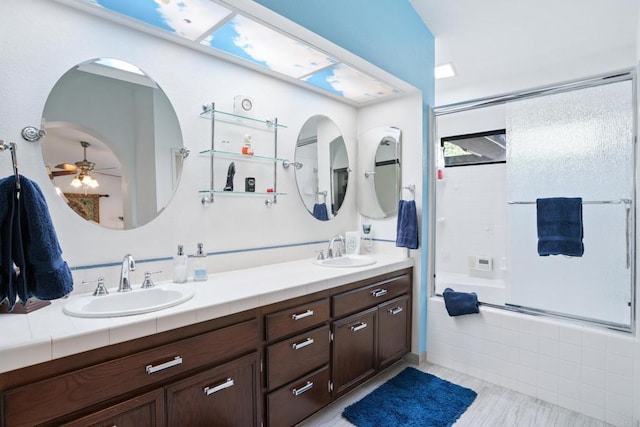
<point x="357" y="86"/>
<point x="190" y="18"/>
<point x="272" y="49"/>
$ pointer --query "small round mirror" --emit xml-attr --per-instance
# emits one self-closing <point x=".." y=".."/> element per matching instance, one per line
<point x="113" y="148"/>
<point x="322" y="167"/>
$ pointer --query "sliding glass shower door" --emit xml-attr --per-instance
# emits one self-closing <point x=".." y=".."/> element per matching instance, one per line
<point x="573" y="144"/>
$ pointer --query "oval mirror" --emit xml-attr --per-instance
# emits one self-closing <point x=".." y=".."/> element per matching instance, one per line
<point x="113" y="148"/>
<point x="322" y="167"/>
<point x="379" y="172"/>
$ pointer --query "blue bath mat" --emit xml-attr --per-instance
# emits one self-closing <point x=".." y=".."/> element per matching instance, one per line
<point x="412" y="398"/>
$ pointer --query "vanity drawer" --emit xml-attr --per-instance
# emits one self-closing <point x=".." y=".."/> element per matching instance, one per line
<point x="369" y="296"/>
<point x="296" y="356"/>
<point x="51" y="398"/>
<point x="299" y="399"/>
<point x="296" y="319"/>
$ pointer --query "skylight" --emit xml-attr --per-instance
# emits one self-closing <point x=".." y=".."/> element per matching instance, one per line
<point x="268" y="48"/>
<point x="206" y="23"/>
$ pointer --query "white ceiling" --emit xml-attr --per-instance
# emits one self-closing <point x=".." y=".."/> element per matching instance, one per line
<point x="496" y="43"/>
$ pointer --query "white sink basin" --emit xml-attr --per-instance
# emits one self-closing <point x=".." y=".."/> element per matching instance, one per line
<point x="138" y="301"/>
<point x="346" y="261"/>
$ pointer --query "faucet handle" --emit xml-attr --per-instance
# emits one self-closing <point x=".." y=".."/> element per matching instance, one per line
<point x="101" y="289"/>
<point x="148" y="283"/>
<point x="320" y="254"/>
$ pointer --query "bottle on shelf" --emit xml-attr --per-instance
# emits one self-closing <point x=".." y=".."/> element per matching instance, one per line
<point x="246" y="148"/>
<point x="180" y="262"/>
<point x="200" y="264"/>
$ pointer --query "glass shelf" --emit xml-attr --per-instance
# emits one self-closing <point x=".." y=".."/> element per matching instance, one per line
<point x="223" y="116"/>
<point x="236" y="155"/>
<point x="242" y="193"/>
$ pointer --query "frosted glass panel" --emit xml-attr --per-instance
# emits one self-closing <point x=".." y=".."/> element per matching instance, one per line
<point x="573" y="144"/>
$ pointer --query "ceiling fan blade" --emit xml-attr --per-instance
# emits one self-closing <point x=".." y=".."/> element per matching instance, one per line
<point x="62" y="173"/>
<point x="107" y="174"/>
<point x="67" y="167"/>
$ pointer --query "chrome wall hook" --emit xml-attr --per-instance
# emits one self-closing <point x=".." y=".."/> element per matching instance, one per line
<point x="33" y="134"/>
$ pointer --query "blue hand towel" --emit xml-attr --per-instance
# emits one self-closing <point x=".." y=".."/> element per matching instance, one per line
<point x="560" y="229"/>
<point x="28" y="240"/>
<point x="459" y="303"/>
<point x="407" y="227"/>
<point x="320" y="211"/>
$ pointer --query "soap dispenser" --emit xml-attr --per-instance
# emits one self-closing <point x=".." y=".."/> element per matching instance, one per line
<point x="200" y="264"/>
<point x="180" y="266"/>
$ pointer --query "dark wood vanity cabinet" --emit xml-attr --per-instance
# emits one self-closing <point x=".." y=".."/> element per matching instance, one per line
<point x="297" y="353"/>
<point x="151" y="381"/>
<point x="374" y="337"/>
<point x="340" y="341"/>
<point x="273" y="365"/>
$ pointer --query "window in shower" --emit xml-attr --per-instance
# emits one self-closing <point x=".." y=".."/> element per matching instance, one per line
<point x="475" y="149"/>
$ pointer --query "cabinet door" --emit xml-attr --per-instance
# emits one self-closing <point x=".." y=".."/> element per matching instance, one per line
<point x="141" y="411"/>
<point x="393" y="331"/>
<point x="354" y="344"/>
<point x="223" y="396"/>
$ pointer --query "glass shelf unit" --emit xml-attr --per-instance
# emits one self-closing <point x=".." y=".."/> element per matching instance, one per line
<point x="228" y="130"/>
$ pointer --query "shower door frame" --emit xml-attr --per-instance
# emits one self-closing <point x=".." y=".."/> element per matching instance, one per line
<point x="613" y="77"/>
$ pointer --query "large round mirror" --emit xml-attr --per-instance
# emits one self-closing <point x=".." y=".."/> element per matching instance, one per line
<point x="113" y="148"/>
<point x="322" y="167"/>
<point x="379" y="172"/>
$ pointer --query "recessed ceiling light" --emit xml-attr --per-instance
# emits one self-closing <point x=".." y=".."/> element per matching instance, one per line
<point x="444" y="71"/>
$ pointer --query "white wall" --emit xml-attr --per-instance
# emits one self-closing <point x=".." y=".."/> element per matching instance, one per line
<point x="190" y="79"/>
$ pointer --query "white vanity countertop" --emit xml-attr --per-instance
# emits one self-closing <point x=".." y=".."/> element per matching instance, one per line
<point x="48" y="333"/>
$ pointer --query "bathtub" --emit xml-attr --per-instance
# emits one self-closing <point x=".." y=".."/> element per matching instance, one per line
<point x="490" y="291"/>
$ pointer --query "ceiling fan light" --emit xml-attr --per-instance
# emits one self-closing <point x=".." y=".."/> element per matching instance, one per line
<point x="93" y="183"/>
<point x="86" y="180"/>
<point x="76" y="182"/>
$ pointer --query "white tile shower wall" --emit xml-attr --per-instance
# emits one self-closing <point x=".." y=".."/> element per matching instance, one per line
<point x="471" y="218"/>
<point x="581" y="368"/>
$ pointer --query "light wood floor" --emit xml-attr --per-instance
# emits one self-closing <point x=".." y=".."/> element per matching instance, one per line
<point x="495" y="406"/>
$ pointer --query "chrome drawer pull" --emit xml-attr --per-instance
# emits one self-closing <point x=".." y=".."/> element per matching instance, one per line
<point x="356" y="328"/>
<point x="303" y="344"/>
<point x="302" y="315"/>
<point x="379" y="293"/>
<point x="299" y="391"/>
<point x="395" y="310"/>
<point x="175" y="362"/>
<point x="210" y="390"/>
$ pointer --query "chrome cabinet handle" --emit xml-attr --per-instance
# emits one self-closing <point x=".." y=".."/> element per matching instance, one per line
<point x="299" y="391"/>
<point x="175" y="362"/>
<point x="210" y="390"/>
<point x="356" y="328"/>
<point x="379" y="293"/>
<point x="298" y="346"/>
<point x="302" y="315"/>
<point x="395" y="311"/>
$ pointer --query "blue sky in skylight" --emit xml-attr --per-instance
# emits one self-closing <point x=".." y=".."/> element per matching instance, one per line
<point x="268" y="48"/>
<point x="187" y="18"/>
<point x="350" y="83"/>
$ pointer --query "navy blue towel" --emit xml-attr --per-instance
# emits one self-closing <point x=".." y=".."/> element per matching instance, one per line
<point x="560" y="229"/>
<point x="28" y="240"/>
<point x="320" y="211"/>
<point x="407" y="227"/>
<point x="459" y="303"/>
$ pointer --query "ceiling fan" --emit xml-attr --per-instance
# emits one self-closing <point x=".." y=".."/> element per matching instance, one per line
<point x="83" y="166"/>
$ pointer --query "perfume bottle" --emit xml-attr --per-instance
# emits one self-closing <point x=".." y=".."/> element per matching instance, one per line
<point x="200" y="265"/>
<point x="180" y="266"/>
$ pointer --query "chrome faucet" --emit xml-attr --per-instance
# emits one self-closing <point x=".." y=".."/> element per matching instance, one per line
<point x="330" y="248"/>
<point x="128" y="265"/>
